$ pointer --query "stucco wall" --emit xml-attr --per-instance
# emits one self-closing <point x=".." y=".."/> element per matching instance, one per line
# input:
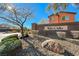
<point x="53" y="34"/>
<point x="58" y="17"/>
<point x="70" y="15"/>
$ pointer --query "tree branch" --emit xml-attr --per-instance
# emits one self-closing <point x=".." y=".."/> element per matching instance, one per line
<point x="13" y="22"/>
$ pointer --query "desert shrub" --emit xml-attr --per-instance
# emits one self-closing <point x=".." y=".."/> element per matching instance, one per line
<point x="35" y="32"/>
<point x="9" y="44"/>
<point x="25" y="32"/>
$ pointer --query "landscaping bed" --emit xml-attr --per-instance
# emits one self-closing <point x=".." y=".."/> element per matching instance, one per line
<point x="9" y="45"/>
<point x="32" y="46"/>
<point x="70" y="48"/>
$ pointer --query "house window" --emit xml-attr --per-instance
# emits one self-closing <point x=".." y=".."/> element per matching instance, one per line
<point x="65" y="18"/>
<point x="52" y="18"/>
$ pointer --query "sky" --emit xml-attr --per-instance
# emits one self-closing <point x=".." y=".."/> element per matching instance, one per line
<point x="41" y="13"/>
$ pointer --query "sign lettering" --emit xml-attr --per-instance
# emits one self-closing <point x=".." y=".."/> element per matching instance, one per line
<point x="56" y="27"/>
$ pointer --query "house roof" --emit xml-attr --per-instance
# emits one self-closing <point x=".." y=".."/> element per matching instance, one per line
<point x="7" y="26"/>
<point x="3" y="26"/>
<point x="68" y="12"/>
<point x="62" y="12"/>
<point x="52" y="15"/>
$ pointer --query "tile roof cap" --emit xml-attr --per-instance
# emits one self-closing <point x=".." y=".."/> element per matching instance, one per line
<point x="63" y="12"/>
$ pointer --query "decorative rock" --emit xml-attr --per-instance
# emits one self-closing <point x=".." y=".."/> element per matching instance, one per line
<point x="61" y="34"/>
<point x="75" y="34"/>
<point x="53" y="46"/>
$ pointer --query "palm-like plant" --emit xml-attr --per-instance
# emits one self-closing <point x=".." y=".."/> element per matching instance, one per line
<point x="56" y="7"/>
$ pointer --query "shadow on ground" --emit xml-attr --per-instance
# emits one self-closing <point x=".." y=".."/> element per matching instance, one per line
<point x="30" y="51"/>
<point x="66" y="53"/>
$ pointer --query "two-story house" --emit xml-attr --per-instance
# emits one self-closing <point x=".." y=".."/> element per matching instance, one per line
<point x="62" y="17"/>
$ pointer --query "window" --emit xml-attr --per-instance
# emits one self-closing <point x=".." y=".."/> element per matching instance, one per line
<point x="52" y="18"/>
<point x="65" y="18"/>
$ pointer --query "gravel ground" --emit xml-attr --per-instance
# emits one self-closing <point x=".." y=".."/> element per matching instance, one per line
<point x="71" y="46"/>
<point x="32" y="47"/>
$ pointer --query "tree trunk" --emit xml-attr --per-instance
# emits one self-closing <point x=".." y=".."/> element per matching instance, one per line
<point x="22" y="31"/>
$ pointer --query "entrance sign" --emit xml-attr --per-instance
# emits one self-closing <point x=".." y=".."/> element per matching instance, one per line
<point x="56" y="28"/>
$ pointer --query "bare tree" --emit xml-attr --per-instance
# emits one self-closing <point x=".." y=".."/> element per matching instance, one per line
<point x="17" y="16"/>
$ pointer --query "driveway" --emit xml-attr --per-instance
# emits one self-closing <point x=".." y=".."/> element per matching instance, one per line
<point x="3" y="35"/>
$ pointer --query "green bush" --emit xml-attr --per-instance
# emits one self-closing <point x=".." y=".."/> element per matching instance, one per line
<point x="8" y="44"/>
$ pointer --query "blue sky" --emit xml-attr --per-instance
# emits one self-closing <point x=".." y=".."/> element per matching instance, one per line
<point x="41" y="13"/>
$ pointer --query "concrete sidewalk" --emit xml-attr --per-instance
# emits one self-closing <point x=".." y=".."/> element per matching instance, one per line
<point x="3" y="35"/>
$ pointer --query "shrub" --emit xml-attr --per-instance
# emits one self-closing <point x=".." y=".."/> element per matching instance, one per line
<point x="9" y="44"/>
